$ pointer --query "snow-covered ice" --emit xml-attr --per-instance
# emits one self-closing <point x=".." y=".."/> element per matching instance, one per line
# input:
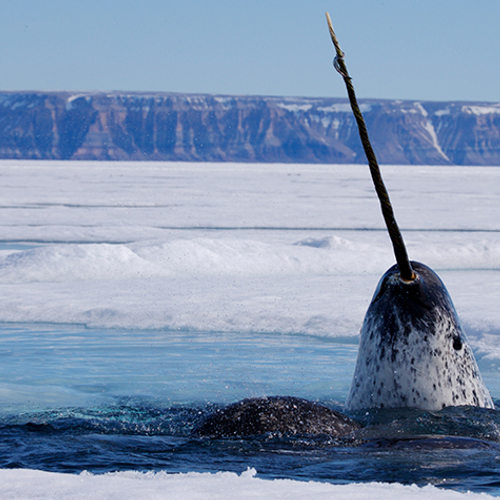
<point x="237" y="247"/>
<point x="28" y="484"/>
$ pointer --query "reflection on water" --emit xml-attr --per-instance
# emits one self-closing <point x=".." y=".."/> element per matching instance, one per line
<point x="49" y="366"/>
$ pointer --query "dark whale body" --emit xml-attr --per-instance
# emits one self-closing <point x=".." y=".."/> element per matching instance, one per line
<point x="276" y="415"/>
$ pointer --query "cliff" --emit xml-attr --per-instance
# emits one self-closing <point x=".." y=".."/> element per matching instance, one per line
<point x="168" y="126"/>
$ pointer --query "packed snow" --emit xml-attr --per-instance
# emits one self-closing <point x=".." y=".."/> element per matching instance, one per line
<point x="24" y="484"/>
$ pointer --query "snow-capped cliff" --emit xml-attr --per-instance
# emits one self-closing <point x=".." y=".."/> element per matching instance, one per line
<point x="169" y="126"/>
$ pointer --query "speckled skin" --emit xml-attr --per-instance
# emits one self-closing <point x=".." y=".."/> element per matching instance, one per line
<point x="285" y="415"/>
<point x="413" y="351"/>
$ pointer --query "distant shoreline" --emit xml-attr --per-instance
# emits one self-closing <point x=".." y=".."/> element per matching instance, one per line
<point x="163" y="126"/>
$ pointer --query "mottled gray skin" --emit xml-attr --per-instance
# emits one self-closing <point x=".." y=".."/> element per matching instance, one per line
<point x="277" y="414"/>
<point x="413" y="351"/>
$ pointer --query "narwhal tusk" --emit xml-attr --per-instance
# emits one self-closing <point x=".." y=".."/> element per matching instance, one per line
<point x="404" y="265"/>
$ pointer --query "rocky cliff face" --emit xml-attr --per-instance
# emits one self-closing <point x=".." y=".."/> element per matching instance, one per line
<point x="167" y="126"/>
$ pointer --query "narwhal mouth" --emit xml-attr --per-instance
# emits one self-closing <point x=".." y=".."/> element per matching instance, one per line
<point x="391" y="283"/>
<point x="425" y="291"/>
<point x="392" y="289"/>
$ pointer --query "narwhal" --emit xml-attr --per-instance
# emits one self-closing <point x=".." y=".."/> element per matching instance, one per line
<point x="413" y="351"/>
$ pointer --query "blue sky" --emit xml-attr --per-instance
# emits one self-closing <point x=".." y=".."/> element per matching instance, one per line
<point x="398" y="49"/>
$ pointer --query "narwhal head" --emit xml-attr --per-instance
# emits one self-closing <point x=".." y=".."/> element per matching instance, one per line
<point x="413" y="351"/>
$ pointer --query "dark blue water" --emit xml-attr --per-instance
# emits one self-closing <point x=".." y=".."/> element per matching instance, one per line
<point x="77" y="399"/>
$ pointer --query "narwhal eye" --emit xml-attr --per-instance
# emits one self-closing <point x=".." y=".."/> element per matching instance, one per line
<point x="457" y="343"/>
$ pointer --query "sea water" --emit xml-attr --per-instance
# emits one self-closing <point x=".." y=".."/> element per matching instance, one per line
<point x="113" y="400"/>
<point x="138" y="297"/>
